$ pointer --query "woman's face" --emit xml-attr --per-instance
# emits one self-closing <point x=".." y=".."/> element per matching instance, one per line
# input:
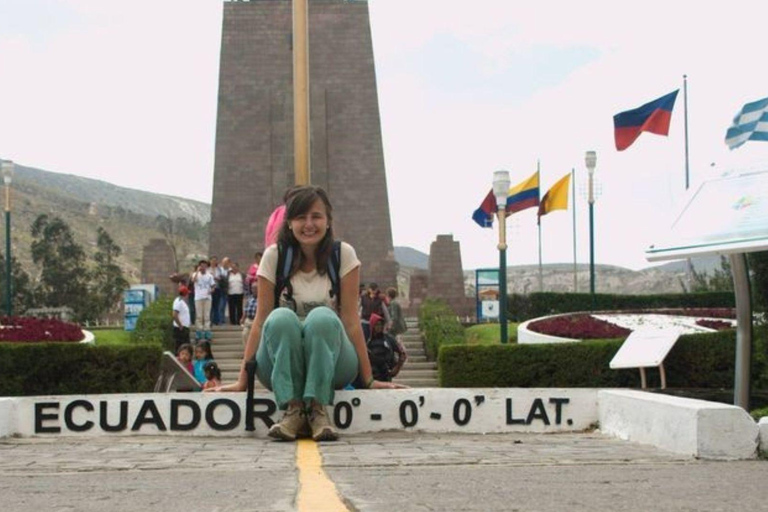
<point x="310" y="227"/>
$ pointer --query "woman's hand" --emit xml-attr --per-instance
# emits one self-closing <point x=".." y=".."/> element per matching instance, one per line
<point x="237" y="386"/>
<point x="377" y="384"/>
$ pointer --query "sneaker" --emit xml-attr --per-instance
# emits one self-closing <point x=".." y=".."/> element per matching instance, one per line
<point x="293" y="421"/>
<point x="321" y="426"/>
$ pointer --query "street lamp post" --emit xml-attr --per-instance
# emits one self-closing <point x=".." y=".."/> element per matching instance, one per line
<point x="7" y="171"/>
<point x="591" y="160"/>
<point x="501" y="191"/>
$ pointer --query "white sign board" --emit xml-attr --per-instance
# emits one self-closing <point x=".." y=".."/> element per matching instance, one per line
<point x="645" y="349"/>
<point x="490" y="308"/>
<point x="174" y="376"/>
<point x="724" y="215"/>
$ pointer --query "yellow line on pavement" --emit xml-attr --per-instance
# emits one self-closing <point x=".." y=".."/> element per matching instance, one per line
<point x="316" y="491"/>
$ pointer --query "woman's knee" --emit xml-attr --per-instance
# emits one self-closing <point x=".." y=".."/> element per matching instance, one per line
<point x="282" y="319"/>
<point x="281" y="323"/>
<point x="322" y="321"/>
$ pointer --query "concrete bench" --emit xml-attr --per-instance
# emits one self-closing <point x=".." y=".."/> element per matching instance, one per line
<point x="698" y="428"/>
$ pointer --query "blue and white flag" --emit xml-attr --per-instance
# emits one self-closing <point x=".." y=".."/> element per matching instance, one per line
<point x="751" y="123"/>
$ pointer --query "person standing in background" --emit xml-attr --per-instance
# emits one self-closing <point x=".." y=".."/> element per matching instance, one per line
<point x="181" y="320"/>
<point x="235" y="289"/>
<point x="204" y="285"/>
<point x="214" y="270"/>
<point x="249" y="313"/>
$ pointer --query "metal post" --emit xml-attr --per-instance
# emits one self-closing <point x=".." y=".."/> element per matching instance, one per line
<point x="591" y="160"/>
<point x="685" y="115"/>
<point x="8" y="287"/>
<point x="503" y="274"/>
<point x="575" y="266"/>
<point x="591" y="242"/>
<point x="301" y="138"/>
<point x="741" y="289"/>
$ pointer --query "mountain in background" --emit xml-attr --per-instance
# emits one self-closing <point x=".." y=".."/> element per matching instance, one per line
<point x="408" y="257"/>
<point x="129" y="217"/>
<point x="87" y="190"/>
<point x="85" y="204"/>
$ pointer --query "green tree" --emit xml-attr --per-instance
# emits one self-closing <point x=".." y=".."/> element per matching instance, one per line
<point x="108" y="282"/>
<point x="758" y="266"/>
<point x="21" y="287"/>
<point x="63" y="280"/>
<point x="719" y="281"/>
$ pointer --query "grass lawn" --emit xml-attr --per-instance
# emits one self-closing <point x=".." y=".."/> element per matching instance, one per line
<point x="112" y="337"/>
<point x="489" y="334"/>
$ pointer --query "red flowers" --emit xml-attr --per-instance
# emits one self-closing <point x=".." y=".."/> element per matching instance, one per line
<point x="27" y="329"/>
<point x="717" y="325"/>
<point x="578" y="327"/>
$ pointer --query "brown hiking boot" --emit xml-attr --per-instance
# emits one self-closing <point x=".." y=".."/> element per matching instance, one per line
<point x="293" y="421"/>
<point x="321" y="426"/>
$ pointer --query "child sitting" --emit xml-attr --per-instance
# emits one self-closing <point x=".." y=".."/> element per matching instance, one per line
<point x="203" y="356"/>
<point x="387" y="355"/>
<point x="212" y="375"/>
<point x="184" y="356"/>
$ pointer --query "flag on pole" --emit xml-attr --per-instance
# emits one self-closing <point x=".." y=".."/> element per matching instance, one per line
<point x="524" y="195"/>
<point x="521" y="196"/>
<point x="556" y="197"/>
<point x="751" y="123"/>
<point x="653" y="117"/>
<point x="484" y="215"/>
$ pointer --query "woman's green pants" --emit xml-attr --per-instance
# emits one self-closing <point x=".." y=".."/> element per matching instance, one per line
<point x="305" y="361"/>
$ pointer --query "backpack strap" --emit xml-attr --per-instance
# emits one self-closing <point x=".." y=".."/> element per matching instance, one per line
<point x="334" y="267"/>
<point x="284" y="262"/>
<point x="282" y="281"/>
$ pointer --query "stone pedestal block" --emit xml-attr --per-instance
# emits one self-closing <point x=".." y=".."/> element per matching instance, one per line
<point x="157" y="264"/>
<point x="446" y="278"/>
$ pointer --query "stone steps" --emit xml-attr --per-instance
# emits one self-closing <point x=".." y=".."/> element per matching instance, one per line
<point x="227" y="346"/>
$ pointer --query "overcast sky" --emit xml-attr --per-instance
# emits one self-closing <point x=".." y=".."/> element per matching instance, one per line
<point x="121" y="91"/>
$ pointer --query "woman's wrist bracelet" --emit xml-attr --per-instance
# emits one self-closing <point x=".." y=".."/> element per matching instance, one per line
<point x="369" y="383"/>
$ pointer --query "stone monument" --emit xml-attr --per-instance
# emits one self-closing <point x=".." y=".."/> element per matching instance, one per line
<point x="254" y="136"/>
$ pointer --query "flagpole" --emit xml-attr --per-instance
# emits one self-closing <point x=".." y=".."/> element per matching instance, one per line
<point x="575" y="269"/>
<point x="689" y="263"/>
<point x="685" y="115"/>
<point x="541" y="272"/>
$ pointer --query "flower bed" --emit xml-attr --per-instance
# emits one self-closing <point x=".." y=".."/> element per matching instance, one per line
<point x="717" y="325"/>
<point x="27" y="329"/>
<point x="581" y="326"/>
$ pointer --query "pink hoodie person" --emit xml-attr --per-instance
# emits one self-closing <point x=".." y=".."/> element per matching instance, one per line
<point x="273" y="225"/>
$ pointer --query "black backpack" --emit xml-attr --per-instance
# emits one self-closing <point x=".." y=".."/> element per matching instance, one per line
<point x="284" y="262"/>
<point x="381" y="352"/>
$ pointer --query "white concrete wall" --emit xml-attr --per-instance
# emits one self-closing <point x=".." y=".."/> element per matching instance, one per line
<point x="763" y="426"/>
<point x="8" y="417"/>
<point x="690" y="427"/>
<point x="421" y="410"/>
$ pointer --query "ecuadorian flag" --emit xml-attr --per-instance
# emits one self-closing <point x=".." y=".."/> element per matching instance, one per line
<point x="524" y="195"/>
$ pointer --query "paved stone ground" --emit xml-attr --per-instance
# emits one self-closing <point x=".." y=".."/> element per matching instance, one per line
<point x="382" y="472"/>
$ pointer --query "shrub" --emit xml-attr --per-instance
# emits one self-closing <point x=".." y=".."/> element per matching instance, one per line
<point x="697" y="360"/>
<point x="440" y="326"/>
<point x="29" y="329"/>
<point x="534" y="305"/>
<point x="31" y="369"/>
<point x="155" y="324"/>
